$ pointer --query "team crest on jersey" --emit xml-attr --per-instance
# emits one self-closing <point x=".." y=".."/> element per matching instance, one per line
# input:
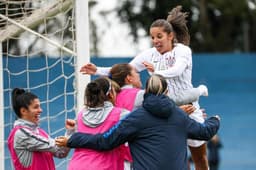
<point x="170" y="61"/>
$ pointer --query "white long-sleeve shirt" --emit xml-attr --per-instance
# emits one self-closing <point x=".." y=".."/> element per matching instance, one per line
<point x="175" y="66"/>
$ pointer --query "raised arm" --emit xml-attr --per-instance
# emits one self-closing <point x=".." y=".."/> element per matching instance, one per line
<point x="92" y="69"/>
<point x="28" y="140"/>
<point x="183" y="60"/>
<point x="202" y="131"/>
<point x="62" y="152"/>
<point x="117" y="135"/>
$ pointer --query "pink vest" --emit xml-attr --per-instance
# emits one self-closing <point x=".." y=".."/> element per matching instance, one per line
<point x="40" y="160"/>
<point x="126" y="98"/>
<point x="87" y="159"/>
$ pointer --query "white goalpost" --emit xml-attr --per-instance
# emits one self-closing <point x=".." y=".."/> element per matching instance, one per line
<point x="83" y="48"/>
<point x="1" y="114"/>
<point x="44" y="44"/>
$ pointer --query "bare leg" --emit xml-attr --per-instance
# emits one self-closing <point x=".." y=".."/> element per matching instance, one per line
<point x="199" y="156"/>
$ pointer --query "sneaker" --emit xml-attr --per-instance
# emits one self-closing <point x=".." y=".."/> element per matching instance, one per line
<point x="203" y="90"/>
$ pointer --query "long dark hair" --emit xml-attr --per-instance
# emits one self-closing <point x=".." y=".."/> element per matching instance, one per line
<point x="97" y="92"/>
<point x="119" y="72"/>
<point x="21" y="98"/>
<point x="176" y="22"/>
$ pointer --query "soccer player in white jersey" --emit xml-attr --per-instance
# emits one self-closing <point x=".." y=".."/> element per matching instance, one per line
<point x="171" y="57"/>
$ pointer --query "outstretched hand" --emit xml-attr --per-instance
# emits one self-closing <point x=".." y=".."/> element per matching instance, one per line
<point x="88" y="68"/>
<point x="188" y="108"/>
<point x="70" y="124"/>
<point x="149" y="66"/>
<point x="61" y="141"/>
<point x="218" y="117"/>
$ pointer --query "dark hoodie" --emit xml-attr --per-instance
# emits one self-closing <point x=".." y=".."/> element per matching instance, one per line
<point x="157" y="134"/>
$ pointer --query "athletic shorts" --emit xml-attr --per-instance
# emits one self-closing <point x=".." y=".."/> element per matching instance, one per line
<point x="197" y="115"/>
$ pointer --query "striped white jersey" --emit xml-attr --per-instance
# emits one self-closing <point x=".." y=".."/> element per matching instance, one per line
<point x="175" y="66"/>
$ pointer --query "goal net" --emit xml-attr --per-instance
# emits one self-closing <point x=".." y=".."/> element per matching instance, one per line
<point x="39" y="53"/>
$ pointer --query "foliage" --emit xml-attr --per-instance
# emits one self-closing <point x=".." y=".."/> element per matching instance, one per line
<point x="215" y="25"/>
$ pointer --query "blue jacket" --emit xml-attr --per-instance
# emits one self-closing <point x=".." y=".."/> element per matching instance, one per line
<point x="157" y="134"/>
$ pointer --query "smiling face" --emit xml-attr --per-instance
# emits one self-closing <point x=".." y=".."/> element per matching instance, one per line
<point x="134" y="78"/>
<point x="161" y="40"/>
<point x="33" y="112"/>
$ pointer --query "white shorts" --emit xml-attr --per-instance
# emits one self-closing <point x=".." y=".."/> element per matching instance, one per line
<point x="197" y="115"/>
<point x="127" y="165"/>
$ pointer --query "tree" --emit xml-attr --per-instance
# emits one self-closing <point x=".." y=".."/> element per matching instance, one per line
<point x="215" y="25"/>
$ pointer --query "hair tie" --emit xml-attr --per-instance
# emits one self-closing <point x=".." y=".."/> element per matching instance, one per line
<point x="109" y="88"/>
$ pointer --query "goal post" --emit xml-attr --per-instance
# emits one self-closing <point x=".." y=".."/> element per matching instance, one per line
<point x="36" y="18"/>
<point x="2" y="148"/>
<point x="43" y="54"/>
<point x="83" y="49"/>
